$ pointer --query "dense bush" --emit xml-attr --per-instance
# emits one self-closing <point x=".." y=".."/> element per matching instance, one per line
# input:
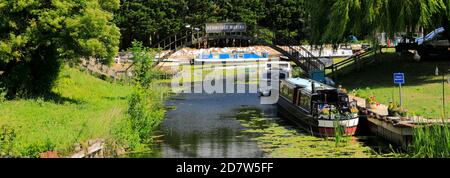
<point x="145" y="110"/>
<point x="36" y="36"/>
<point x="144" y="115"/>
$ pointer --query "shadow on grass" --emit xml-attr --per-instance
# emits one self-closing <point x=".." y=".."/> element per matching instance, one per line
<point x="58" y="99"/>
<point x="380" y="73"/>
<point x="55" y="98"/>
<point x="114" y="98"/>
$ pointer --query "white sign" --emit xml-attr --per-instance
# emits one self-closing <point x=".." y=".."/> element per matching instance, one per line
<point x="225" y="27"/>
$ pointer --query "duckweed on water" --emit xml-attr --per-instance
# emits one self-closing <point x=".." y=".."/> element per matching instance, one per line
<point x="280" y="141"/>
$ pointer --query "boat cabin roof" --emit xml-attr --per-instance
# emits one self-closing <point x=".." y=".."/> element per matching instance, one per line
<point x="306" y="84"/>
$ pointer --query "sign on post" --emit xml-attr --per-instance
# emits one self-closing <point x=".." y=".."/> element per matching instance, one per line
<point x="399" y="78"/>
<point x="225" y="27"/>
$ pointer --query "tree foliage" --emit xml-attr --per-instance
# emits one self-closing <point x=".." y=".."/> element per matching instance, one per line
<point x="285" y="17"/>
<point x="331" y="20"/>
<point x="148" y="21"/>
<point x="36" y="35"/>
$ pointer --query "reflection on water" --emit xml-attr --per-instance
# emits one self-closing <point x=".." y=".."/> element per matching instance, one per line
<point x="203" y="125"/>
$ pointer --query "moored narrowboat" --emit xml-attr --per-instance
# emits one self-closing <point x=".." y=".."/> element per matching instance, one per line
<point x="318" y="108"/>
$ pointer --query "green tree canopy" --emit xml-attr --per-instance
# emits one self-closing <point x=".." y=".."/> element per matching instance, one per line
<point x="331" y="20"/>
<point x="35" y="35"/>
<point x="153" y="19"/>
<point x="285" y="16"/>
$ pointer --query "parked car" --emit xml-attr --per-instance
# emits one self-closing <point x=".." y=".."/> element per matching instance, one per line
<point x="435" y="44"/>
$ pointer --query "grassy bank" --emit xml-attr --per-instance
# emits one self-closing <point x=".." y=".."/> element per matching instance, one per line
<point x="422" y="93"/>
<point x="83" y="108"/>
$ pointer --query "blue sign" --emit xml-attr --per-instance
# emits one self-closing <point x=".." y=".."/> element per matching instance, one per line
<point x="399" y="78"/>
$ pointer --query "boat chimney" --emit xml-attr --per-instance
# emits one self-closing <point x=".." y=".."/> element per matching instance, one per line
<point x="313" y="87"/>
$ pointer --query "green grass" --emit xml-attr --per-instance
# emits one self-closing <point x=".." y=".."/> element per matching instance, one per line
<point x="339" y="59"/>
<point x="83" y="108"/>
<point x="422" y="93"/>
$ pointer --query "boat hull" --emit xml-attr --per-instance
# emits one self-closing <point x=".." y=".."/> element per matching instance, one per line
<point x="316" y="126"/>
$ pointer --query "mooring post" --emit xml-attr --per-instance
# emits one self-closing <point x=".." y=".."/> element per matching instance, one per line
<point x="443" y="96"/>
<point x="400" y="94"/>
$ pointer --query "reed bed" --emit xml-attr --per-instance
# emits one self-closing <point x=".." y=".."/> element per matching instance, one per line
<point x="431" y="141"/>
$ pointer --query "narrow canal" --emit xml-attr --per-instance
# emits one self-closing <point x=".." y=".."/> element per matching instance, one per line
<point x="238" y="126"/>
<point x="205" y="125"/>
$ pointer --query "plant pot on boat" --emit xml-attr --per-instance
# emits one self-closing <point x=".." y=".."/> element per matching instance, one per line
<point x="329" y="113"/>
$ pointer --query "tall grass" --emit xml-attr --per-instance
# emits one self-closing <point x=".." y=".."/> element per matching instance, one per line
<point x="83" y="108"/>
<point x="431" y="141"/>
<point x="340" y="139"/>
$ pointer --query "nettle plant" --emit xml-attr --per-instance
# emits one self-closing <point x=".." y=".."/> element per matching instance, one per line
<point x="143" y="110"/>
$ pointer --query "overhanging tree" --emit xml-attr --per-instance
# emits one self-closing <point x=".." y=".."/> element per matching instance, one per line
<point x="331" y="20"/>
<point x="36" y="36"/>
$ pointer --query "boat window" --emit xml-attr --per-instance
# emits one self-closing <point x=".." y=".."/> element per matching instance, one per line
<point x="343" y="99"/>
<point x="287" y="92"/>
<point x="305" y="101"/>
<point x="329" y="97"/>
<point x="282" y="75"/>
<point x="344" y="102"/>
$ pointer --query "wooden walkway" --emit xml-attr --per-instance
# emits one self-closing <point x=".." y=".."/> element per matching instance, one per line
<point x="395" y="129"/>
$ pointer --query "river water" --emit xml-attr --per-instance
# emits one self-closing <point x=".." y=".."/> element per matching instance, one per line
<point x="205" y="126"/>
